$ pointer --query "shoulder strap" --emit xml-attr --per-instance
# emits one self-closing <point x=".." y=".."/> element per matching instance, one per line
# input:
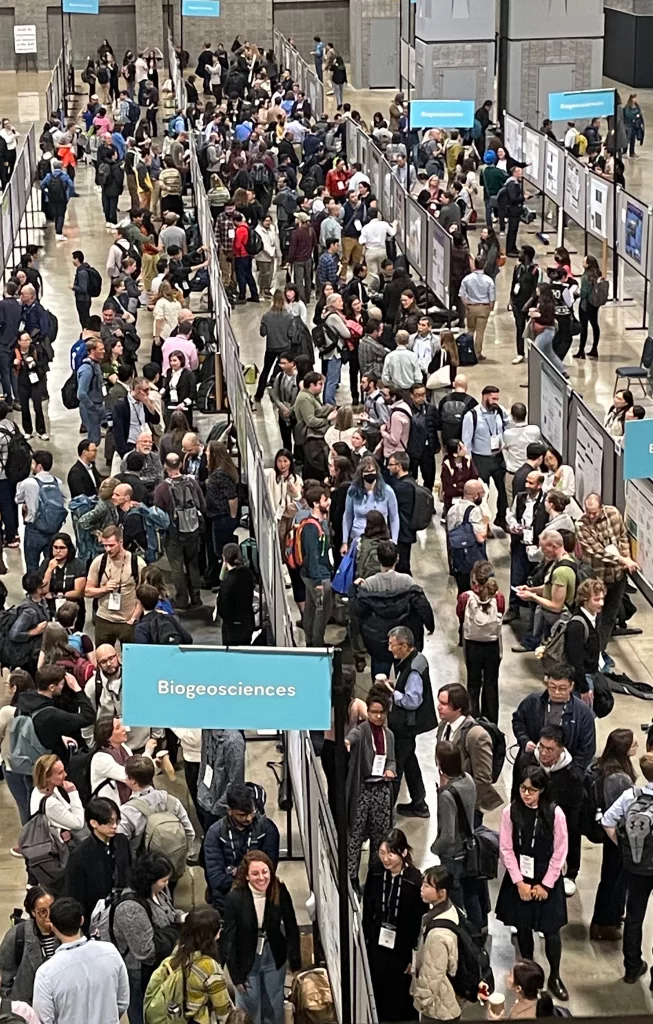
<point x="19" y="946"/>
<point x="102" y="567"/>
<point x="463" y="821"/>
<point x="142" y="806"/>
<point x="468" y="512"/>
<point x="581" y="618"/>
<point x="134" y="568"/>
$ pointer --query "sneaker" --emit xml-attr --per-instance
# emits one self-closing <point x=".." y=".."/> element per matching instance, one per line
<point x="520" y="649"/>
<point x="413" y="810"/>
<point x="570" y="887"/>
<point x="28" y="437"/>
<point x="15" y="852"/>
<point x="13" y="544"/>
<point x="16" y="406"/>
<point x="60" y="238"/>
<point x="517" y="360"/>
<point x="44" y="437"/>
<point x="630" y="977"/>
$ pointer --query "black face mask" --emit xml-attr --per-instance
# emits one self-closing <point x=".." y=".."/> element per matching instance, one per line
<point x="369" y="478"/>
<point x="478" y="501"/>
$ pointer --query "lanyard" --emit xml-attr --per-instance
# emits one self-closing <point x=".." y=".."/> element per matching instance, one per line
<point x="231" y="841"/>
<point x="548" y="708"/>
<point x="385" y="745"/>
<point x="537" y="818"/>
<point x="388" y="913"/>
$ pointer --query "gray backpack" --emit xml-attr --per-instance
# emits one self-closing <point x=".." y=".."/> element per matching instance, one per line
<point x="46" y="855"/>
<point x="25" y="748"/>
<point x="164" y="833"/>
<point x="482" y="621"/>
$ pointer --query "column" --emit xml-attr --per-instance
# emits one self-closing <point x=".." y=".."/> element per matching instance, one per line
<point x="367" y="36"/>
<point x="149" y="29"/>
<point x="454" y="49"/>
<point x="26" y="12"/>
<point x="628" y="42"/>
<point x="549" y="46"/>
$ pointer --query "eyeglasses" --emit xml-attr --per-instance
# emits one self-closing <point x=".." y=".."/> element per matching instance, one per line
<point x="528" y="789"/>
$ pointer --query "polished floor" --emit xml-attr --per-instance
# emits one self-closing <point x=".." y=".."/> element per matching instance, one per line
<point x="592" y="971"/>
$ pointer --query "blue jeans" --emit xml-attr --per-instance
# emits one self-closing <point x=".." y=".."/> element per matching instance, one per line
<point x="37" y="545"/>
<point x="544" y="342"/>
<point x="264" y="980"/>
<point x="20" y="787"/>
<point x="6" y="376"/>
<point x="8" y="512"/>
<point x="332" y="380"/>
<point x="91" y="415"/>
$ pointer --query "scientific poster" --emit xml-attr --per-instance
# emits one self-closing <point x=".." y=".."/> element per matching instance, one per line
<point x="599" y="194"/>
<point x="574" y="198"/>
<point x="327" y="915"/>
<point x="387" y="209"/>
<point x="399" y="200"/>
<point x="512" y="135"/>
<point x="534" y="156"/>
<point x="589" y="458"/>
<point x="552" y="171"/>
<point x="438" y="268"/>
<point x="552" y="411"/>
<point x="639" y="521"/>
<point x="416" y="235"/>
<point x="7" y="233"/>
<point x="634" y="232"/>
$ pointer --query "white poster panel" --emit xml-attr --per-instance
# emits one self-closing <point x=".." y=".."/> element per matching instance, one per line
<point x="589" y="458"/>
<point x="416" y="235"/>
<point x="575" y="202"/>
<point x="24" y="38"/>
<point x="387" y="208"/>
<point x="534" y="157"/>
<point x="639" y="521"/>
<point x="552" y="403"/>
<point x="399" y="202"/>
<point x="363" y="154"/>
<point x="326" y="893"/>
<point x="554" y="164"/>
<point x="375" y="173"/>
<point x="599" y="206"/>
<point x="512" y="136"/>
<point x="632" y="231"/>
<point x="437" y="270"/>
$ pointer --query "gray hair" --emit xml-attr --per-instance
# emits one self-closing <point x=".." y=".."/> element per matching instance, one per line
<point x="552" y="537"/>
<point x="403" y="635"/>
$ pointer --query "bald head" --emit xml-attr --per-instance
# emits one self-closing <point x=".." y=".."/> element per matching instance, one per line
<point x="460" y="383"/>
<point x="122" y="495"/>
<point x="593" y="506"/>
<point x="473" y="490"/>
<point x="190" y="444"/>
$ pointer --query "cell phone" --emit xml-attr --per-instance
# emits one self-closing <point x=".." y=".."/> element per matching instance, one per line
<point x="514" y="588"/>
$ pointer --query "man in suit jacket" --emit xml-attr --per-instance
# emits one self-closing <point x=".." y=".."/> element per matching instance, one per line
<point x="83" y="477"/>
<point x="132" y="415"/>
<point x="458" y="727"/>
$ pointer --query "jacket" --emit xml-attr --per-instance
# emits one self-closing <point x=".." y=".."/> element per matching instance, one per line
<point x="51" y="724"/>
<point x="275" y="329"/>
<point x="577" y="721"/>
<point x="18" y="978"/>
<point x="404" y="488"/>
<point x="95" y="868"/>
<point x="143" y="628"/>
<point x="361" y="762"/>
<point x="89" y="383"/>
<point x="121" y="418"/>
<point x="423" y="431"/>
<point x="83" y="481"/>
<point x="11" y="314"/>
<point x="235" y="601"/>
<point x="409" y="912"/>
<point x="311" y="416"/>
<point x="371" y="356"/>
<point x="240" y="932"/>
<point x="476" y="748"/>
<point x="224" y="751"/>
<point x="582" y="649"/>
<point x="225" y="846"/>
<point x="436" y="963"/>
<point x="565" y="781"/>
<point x="391" y="599"/>
<point x="302" y="241"/>
<point x="449" y="843"/>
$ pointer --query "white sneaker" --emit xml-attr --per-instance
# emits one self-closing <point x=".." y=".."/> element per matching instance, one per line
<point x="517" y="359"/>
<point x="28" y="437"/>
<point x="570" y="886"/>
<point x="44" y="437"/>
<point x="60" y="238"/>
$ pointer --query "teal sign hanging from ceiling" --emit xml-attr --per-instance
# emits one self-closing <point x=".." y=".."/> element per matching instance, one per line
<point x="81" y="6"/>
<point x="201" y="8"/>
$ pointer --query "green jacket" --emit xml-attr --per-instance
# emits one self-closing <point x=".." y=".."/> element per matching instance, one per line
<point x="311" y="416"/>
<point x="492" y="179"/>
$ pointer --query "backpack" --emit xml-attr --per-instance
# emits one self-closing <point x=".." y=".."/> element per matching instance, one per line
<point x="102" y="924"/>
<point x="503" y="198"/>
<point x="94" y="279"/>
<point x="164" y="631"/>
<point x="259" y="174"/>
<point x="103" y="175"/>
<point x="69" y="392"/>
<point x="451" y="415"/>
<point x="311" y="997"/>
<point x="466" y="350"/>
<point x="25" y="747"/>
<point x="133" y="112"/>
<point x="554" y="648"/>
<point x="164" y="834"/>
<point x="205" y="395"/>
<point x="423" y="509"/>
<point x="294" y="554"/>
<point x="18" y="464"/>
<point x="51" y="508"/>
<point x="480" y="845"/>
<point x="165" y="995"/>
<point x="46" y="855"/>
<point x="301" y="342"/>
<point x="482" y="620"/>
<point x="473" y="959"/>
<point x="56" y="190"/>
<point x="88" y="546"/>
<point x="599" y="293"/>
<point x="103" y="75"/>
<point x="53" y="326"/>
<point x="16" y="653"/>
<point x="464" y="549"/>
<point x="249" y="552"/>
<point x="593" y="806"/>
<point x="155" y="523"/>
<point x="635" y="835"/>
<point x="7" y="1015"/>
<point x="498" y="743"/>
<point x="78" y="354"/>
<point x="186" y="514"/>
<point x="323" y="340"/>
<point x="254" y="243"/>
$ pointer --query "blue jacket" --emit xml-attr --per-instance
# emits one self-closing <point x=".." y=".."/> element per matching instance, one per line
<point x="225" y="846"/>
<point x="36" y="320"/>
<point x="577" y="721"/>
<point x="89" y="383"/>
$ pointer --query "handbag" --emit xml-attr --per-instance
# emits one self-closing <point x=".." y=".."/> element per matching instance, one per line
<point x="346" y="571"/>
<point x="480" y="847"/>
<point x="439" y="378"/>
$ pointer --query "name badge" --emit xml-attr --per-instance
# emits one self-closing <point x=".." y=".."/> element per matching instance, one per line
<point x="528" y="536"/>
<point x="341" y="186"/>
<point x="208" y="776"/>
<point x="33" y="378"/>
<point x="113" y="604"/>
<point x="232" y="232"/>
<point x="387" y="936"/>
<point x="495" y="442"/>
<point x="378" y="765"/>
<point x="260" y="945"/>
<point x="527" y="866"/>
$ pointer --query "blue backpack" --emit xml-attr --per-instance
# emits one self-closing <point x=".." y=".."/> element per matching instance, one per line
<point x="465" y="550"/>
<point x="466" y="351"/>
<point x="88" y="547"/>
<point x="346" y="571"/>
<point x="155" y="526"/>
<point x="78" y="354"/>
<point x="51" y="508"/>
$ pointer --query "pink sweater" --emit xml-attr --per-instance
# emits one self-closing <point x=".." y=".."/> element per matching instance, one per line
<point x="559" y="848"/>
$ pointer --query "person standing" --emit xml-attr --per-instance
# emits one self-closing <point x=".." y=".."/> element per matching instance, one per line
<point x="317" y="53"/>
<point x="58" y="189"/>
<point x="300" y="255"/>
<point x="31" y="369"/>
<point x="423" y="444"/>
<point x="466" y="523"/>
<point x="284" y="391"/>
<point x="275" y="328"/>
<point x="525" y="278"/>
<point x="480" y="611"/>
<point x="478" y="294"/>
<point x="10" y="317"/>
<point x="527" y="519"/>
<point x="482" y="435"/>
<point x="337" y="335"/>
<point x="270" y="256"/>
<point x="473" y="741"/>
<point x="81" y="288"/>
<point x="436" y="958"/>
<point x="44" y="508"/>
<point x="235" y="602"/>
<point x="315" y="546"/>
<point x="312" y="422"/>
<point x="403" y="484"/>
<point x="392" y="916"/>
<point x="221" y="501"/>
<point x="533" y="848"/>
<point x="112" y="580"/>
<point x="243" y="260"/>
<point x="588" y="313"/>
<point x="557" y="705"/>
<point x="514" y="203"/>
<point x="183" y="499"/>
<point x="90" y="390"/>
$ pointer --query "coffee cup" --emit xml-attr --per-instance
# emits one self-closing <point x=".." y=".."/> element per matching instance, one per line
<point x="497" y="1003"/>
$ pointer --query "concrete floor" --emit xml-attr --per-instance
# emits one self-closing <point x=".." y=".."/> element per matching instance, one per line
<point x="592" y="971"/>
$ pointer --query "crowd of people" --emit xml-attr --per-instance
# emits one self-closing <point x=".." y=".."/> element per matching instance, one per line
<point x="351" y="487"/>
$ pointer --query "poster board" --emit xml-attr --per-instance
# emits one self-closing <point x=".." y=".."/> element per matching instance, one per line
<point x="7" y="228"/>
<point x="25" y="39"/>
<point x="639" y="523"/>
<point x="588" y="462"/>
<point x="399" y="204"/>
<point x="512" y="136"/>
<point x="375" y="172"/>
<point x="363" y="153"/>
<point x="438" y="268"/>
<point x="533" y="149"/>
<point x="554" y="171"/>
<point x="416" y="235"/>
<point x="553" y="403"/>
<point x="633" y="224"/>
<point x="387" y="206"/>
<point x="599" y="198"/>
<point x="575" y="199"/>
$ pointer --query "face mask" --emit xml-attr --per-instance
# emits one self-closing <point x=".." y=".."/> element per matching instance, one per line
<point x="478" y="501"/>
<point x="369" y="478"/>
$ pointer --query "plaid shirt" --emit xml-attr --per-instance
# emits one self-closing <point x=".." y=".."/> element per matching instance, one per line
<point x="595" y="536"/>
<point x="225" y="232"/>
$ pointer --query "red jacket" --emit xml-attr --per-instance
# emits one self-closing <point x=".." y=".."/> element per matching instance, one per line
<point x="241" y="239"/>
<point x="336" y="183"/>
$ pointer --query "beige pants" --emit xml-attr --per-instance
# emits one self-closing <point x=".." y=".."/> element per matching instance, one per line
<point x="352" y="252"/>
<point x="374" y="257"/>
<point x="478" y="314"/>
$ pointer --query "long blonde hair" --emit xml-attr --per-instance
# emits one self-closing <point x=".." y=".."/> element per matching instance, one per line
<point x="448" y="345"/>
<point x="42" y="769"/>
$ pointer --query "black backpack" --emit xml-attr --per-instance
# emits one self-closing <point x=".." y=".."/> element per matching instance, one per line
<point x="473" y="959"/>
<point x="164" y="631"/>
<point x="593" y="806"/>
<point x="498" y="743"/>
<point x="423" y="508"/>
<point x="259" y="175"/>
<point x="323" y="340"/>
<point x="133" y="112"/>
<point x="69" y="393"/>
<point x="254" y="243"/>
<point x="94" y="282"/>
<point x="57" y="190"/>
<point x="53" y="326"/>
<point x="635" y="834"/>
<point x="18" y="465"/>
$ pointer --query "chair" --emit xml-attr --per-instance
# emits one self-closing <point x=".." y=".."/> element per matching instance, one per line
<point x="637" y="373"/>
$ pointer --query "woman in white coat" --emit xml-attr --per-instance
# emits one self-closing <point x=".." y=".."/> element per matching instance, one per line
<point x="437" y="951"/>
<point x="108" y="776"/>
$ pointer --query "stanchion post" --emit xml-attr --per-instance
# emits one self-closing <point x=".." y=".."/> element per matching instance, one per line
<point x="340" y="717"/>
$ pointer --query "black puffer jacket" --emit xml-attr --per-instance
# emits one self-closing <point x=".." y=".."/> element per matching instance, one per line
<point x="392" y="599"/>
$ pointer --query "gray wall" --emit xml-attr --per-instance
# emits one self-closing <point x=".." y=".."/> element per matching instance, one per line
<point x="445" y="21"/>
<point x="433" y="60"/>
<point x="303" y="19"/>
<point x="360" y="13"/>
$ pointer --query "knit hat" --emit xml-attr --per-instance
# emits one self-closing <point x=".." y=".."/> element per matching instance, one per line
<point x="489" y="157"/>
